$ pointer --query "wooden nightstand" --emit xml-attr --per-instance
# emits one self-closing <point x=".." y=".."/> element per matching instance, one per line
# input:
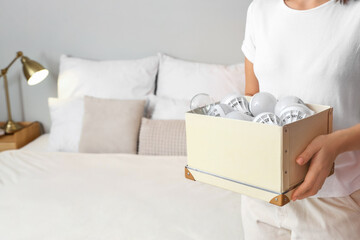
<point x="31" y="131"/>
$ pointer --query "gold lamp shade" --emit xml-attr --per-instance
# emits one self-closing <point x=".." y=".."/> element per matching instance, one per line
<point x="33" y="71"/>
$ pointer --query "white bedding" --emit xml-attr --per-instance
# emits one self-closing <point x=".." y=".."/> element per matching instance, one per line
<point x="40" y="144"/>
<point x="47" y="195"/>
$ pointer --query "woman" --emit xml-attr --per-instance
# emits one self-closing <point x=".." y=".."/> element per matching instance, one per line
<point x="310" y="49"/>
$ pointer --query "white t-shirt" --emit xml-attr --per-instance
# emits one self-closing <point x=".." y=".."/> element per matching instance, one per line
<point x="315" y="55"/>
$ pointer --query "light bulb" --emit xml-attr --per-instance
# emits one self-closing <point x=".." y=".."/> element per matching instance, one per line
<point x="38" y="77"/>
<point x="201" y="103"/>
<point x="239" y="116"/>
<point x="267" y="118"/>
<point x="294" y="113"/>
<point x="262" y="102"/>
<point x="237" y="102"/>
<point x="220" y="110"/>
<point x="286" y="101"/>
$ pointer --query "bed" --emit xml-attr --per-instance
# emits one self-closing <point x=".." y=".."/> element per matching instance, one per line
<point x="47" y="195"/>
<point x="68" y="194"/>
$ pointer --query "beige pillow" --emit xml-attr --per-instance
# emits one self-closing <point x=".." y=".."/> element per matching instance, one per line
<point x="162" y="137"/>
<point x="110" y="126"/>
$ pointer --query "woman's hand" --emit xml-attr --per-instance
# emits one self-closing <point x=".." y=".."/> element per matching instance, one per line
<point x="322" y="152"/>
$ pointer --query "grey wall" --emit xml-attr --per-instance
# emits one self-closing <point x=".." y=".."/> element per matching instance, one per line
<point x="201" y="30"/>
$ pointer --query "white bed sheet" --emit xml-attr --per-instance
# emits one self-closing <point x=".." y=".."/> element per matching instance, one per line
<point x="40" y="144"/>
<point x="47" y="195"/>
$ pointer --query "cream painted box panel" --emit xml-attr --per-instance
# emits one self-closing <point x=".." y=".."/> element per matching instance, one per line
<point x="252" y="158"/>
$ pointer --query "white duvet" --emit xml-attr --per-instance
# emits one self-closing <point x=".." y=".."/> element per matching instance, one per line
<point x="88" y="196"/>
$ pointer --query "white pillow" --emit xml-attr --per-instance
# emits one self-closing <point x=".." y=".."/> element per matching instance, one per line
<point x="66" y="122"/>
<point x="167" y="108"/>
<point x="181" y="79"/>
<point x="122" y="79"/>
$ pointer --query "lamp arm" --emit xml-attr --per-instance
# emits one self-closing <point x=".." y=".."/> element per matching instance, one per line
<point x="4" y="71"/>
<point x="7" y="97"/>
<point x="3" y="74"/>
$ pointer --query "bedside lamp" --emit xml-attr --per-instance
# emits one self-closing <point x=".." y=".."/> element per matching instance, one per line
<point x="34" y="74"/>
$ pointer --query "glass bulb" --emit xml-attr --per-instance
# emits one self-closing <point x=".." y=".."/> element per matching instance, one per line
<point x="262" y="102"/>
<point x="201" y="103"/>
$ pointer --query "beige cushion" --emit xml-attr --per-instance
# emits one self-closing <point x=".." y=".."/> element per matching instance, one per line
<point x="110" y="126"/>
<point x="162" y="137"/>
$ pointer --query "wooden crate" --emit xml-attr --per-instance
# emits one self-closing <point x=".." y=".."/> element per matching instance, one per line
<point x="251" y="158"/>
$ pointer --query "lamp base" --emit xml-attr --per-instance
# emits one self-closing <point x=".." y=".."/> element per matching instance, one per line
<point x="10" y="127"/>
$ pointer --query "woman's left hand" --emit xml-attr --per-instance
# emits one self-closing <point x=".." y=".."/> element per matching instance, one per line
<point x="322" y="152"/>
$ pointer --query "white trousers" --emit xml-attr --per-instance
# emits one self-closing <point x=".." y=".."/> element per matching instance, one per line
<point x="311" y="218"/>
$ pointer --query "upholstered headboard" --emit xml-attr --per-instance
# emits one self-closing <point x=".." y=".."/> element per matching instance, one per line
<point x="200" y="30"/>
